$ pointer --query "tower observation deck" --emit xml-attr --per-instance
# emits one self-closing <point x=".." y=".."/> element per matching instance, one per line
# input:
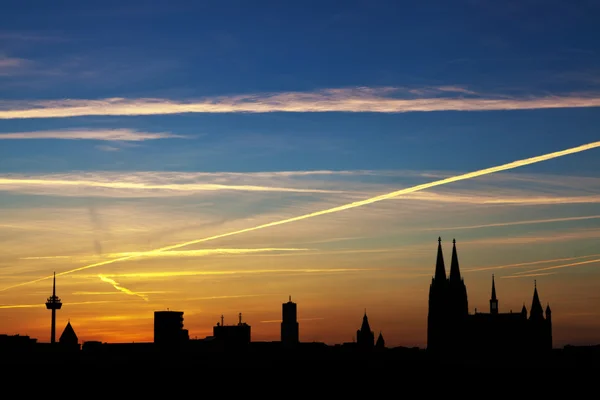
<point x="53" y="303"/>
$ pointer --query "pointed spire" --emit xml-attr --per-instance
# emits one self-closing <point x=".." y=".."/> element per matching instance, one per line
<point x="68" y="336"/>
<point x="440" y="268"/>
<point x="365" y="324"/>
<point x="548" y="311"/>
<point x="54" y="285"/>
<point x="536" y="305"/>
<point x="454" y="268"/>
<point x="380" y="341"/>
<point x="493" y="289"/>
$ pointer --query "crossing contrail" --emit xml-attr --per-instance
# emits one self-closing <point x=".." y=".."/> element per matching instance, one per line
<point x="412" y="189"/>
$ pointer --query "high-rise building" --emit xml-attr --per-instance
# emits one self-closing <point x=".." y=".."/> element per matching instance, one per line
<point x="289" y="324"/>
<point x="168" y="328"/>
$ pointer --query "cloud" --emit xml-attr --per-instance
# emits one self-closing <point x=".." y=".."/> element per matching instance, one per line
<point x="11" y="62"/>
<point x="113" y="293"/>
<point x="527" y="275"/>
<point x="560" y="236"/>
<point x="171" y="274"/>
<point x="108" y="148"/>
<point x="201" y="252"/>
<point x="273" y="321"/>
<point x="348" y="206"/>
<point x="528" y="222"/>
<point x="120" y="288"/>
<point x="10" y="66"/>
<point x="233" y="296"/>
<point x="115" y="135"/>
<point x="125" y="185"/>
<point x="497" y="200"/>
<point x="361" y="99"/>
<point x="43" y="257"/>
<point x="527" y="264"/>
<point x="355" y="184"/>
<point x="576" y="264"/>
<point x="81" y="303"/>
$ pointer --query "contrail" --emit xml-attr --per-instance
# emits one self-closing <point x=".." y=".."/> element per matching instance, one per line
<point x="120" y="288"/>
<point x="597" y="260"/>
<point x="412" y="189"/>
<point x="531" y="221"/>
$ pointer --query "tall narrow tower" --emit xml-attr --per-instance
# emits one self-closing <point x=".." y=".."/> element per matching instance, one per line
<point x="494" y="299"/>
<point x="289" y="324"/>
<point x="53" y="303"/>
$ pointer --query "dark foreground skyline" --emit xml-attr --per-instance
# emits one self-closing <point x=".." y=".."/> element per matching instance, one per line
<point x="455" y="336"/>
<point x="130" y="127"/>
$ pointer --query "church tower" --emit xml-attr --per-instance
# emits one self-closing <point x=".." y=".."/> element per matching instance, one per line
<point x="365" y="338"/>
<point x="494" y="300"/>
<point x="540" y="326"/>
<point x="459" y="306"/>
<point x="437" y="313"/>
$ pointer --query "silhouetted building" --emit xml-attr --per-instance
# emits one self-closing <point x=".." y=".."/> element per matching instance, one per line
<point x="53" y="303"/>
<point x="168" y="328"/>
<point x="16" y="343"/>
<point x="380" y="344"/>
<point x="365" y="338"/>
<point x="289" y="324"/>
<point x="232" y="336"/>
<point x="68" y="339"/>
<point x="451" y="329"/>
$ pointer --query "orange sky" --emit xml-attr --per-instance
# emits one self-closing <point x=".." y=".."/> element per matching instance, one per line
<point x="379" y="257"/>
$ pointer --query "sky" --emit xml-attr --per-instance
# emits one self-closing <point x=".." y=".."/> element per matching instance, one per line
<point x="129" y="129"/>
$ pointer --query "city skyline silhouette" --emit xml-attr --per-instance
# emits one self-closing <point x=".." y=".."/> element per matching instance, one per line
<point x="455" y="335"/>
<point x="279" y="173"/>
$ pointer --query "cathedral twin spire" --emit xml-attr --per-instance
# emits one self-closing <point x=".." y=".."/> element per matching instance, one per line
<point x="454" y="268"/>
<point x="440" y="267"/>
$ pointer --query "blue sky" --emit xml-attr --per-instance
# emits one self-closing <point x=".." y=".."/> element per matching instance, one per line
<point x="128" y="126"/>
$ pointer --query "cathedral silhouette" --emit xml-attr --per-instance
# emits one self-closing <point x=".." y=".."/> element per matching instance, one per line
<point x="452" y="329"/>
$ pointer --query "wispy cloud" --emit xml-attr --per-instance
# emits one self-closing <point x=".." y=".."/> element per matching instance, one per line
<point x="11" y="65"/>
<point x="131" y="184"/>
<point x="181" y="253"/>
<point x="113" y="293"/>
<point x="355" y="184"/>
<point x="43" y="257"/>
<point x="108" y="148"/>
<point x="362" y="99"/>
<point x="489" y="199"/>
<point x="576" y="264"/>
<point x="232" y="296"/>
<point x="202" y="252"/>
<point x="355" y="204"/>
<point x="527" y="264"/>
<point x="527" y="275"/>
<point x="115" y="135"/>
<point x="120" y="288"/>
<point x="528" y="222"/>
<point x="80" y="303"/>
<point x="548" y="237"/>
<point x="171" y="274"/>
<point x="274" y="321"/>
<point x="7" y="184"/>
<point x="31" y="36"/>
